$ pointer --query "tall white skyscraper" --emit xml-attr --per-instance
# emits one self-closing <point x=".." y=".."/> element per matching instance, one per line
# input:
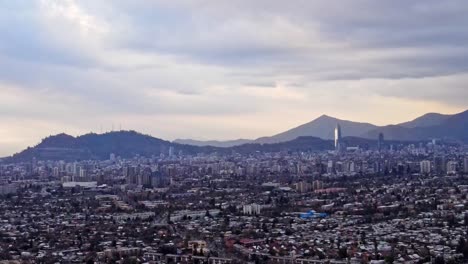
<point x="337" y="137"/>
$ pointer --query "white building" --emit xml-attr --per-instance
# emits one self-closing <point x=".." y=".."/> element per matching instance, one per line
<point x="252" y="209"/>
<point x="176" y="216"/>
<point x="452" y="167"/>
<point x="425" y="166"/>
<point x="143" y="216"/>
<point x="72" y="184"/>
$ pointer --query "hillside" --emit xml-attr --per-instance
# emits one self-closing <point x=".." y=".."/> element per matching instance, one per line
<point x="427" y="120"/>
<point x="99" y="146"/>
<point x="453" y="127"/>
<point x="127" y="144"/>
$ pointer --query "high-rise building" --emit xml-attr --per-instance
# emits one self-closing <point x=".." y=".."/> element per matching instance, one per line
<point x="439" y="165"/>
<point x="380" y="141"/>
<point x="330" y="167"/>
<point x="171" y="151"/>
<point x="452" y="167"/>
<point x="83" y="173"/>
<point x="160" y="180"/>
<point x="317" y="185"/>
<point x="337" y="137"/>
<point x="129" y="172"/>
<point x="56" y="172"/>
<point x="465" y="165"/>
<point x="303" y="187"/>
<point x="425" y="166"/>
<point x="76" y="169"/>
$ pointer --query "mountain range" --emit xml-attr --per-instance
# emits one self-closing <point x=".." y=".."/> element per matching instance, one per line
<point x="316" y="135"/>
<point x="431" y="125"/>
<point x="128" y="144"/>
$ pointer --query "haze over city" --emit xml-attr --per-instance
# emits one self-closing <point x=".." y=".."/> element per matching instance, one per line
<point x="218" y="70"/>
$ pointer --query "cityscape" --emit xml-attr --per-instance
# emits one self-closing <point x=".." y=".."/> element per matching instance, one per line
<point x="382" y="203"/>
<point x="233" y="132"/>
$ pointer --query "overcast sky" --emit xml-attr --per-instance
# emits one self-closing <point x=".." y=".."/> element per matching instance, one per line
<point x="224" y="69"/>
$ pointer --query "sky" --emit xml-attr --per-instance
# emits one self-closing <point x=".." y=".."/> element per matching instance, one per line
<point x="224" y="69"/>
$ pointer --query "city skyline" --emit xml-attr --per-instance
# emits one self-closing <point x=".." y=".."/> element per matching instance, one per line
<point x="324" y="127"/>
<point x="232" y="132"/>
<point x="186" y="70"/>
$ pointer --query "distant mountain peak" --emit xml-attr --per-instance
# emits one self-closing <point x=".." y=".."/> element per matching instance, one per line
<point x="321" y="127"/>
<point x="62" y="135"/>
<point x="61" y="139"/>
<point x="326" y="117"/>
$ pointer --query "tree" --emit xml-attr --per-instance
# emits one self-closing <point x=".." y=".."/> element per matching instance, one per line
<point x="343" y="252"/>
<point x="462" y="247"/>
<point x="439" y="260"/>
<point x="389" y="259"/>
<point x="363" y="237"/>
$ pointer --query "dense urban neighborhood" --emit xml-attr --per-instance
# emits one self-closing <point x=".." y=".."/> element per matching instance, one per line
<point x="389" y="203"/>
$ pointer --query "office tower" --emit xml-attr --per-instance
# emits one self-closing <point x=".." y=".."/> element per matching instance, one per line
<point x="337" y="137"/>
<point x="425" y="166"/>
<point x="439" y="165"/>
<point x="380" y="141"/>
<point x="130" y="174"/>
<point x="171" y="151"/>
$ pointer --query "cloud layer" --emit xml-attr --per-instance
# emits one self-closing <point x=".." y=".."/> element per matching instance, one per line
<point x="224" y="69"/>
